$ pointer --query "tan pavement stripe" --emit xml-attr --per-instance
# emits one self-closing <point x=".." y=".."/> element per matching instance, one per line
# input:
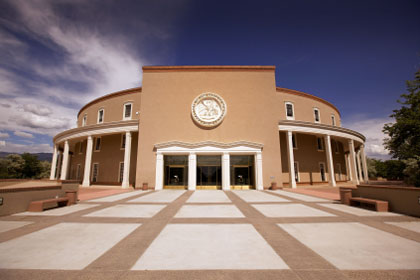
<point x="123" y="255"/>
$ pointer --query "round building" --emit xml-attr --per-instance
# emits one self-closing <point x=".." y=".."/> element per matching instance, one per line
<point x="209" y="127"/>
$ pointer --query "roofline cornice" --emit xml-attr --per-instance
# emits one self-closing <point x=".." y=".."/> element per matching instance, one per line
<point x="209" y="68"/>
<point x="111" y="95"/>
<point x="304" y="94"/>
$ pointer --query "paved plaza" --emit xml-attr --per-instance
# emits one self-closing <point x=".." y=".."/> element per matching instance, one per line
<point x="177" y="234"/>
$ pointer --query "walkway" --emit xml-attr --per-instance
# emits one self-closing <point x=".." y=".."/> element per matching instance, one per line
<point x="176" y="234"/>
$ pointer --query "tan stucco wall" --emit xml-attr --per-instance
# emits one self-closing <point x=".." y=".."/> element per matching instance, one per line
<point x="308" y="157"/>
<point x="304" y="108"/>
<point x="166" y="114"/>
<point x="109" y="158"/>
<point x="113" y="106"/>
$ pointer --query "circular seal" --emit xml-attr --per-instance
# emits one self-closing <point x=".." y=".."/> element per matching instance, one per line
<point x="208" y="109"/>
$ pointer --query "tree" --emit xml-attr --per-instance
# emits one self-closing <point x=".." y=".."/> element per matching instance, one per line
<point x="32" y="166"/>
<point x="45" y="169"/>
<point x="404" y="134"/>
<point x="11" y="166"/>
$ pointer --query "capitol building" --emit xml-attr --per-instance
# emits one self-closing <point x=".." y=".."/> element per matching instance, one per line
<point x="209" y="127"/>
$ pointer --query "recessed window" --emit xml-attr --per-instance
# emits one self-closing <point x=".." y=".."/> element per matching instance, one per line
<point x="78" y="172"/>
<point x="123" y="141"/>
<point x="84" y="120"/>
<point x="101" y="114"/>
<point x="81" y="147"/>
<point x="127" y="111"/>
<point x="320" y="144"/>
<point x="333" y="120"/>
<point x="296" y="171"/>
<point x="294" y="141"/>
<point x="121" y="172"/>
<point x="290" y="114"/>
<point x="322" y="171"/>
<point x="336" y="150"/>
<point x="95" y="172"/>
<point x="317" y="117"/>
<point x="339" y="171"/>
<point x="97" y="144"/>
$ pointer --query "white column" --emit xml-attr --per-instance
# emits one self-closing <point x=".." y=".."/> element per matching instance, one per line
<point x="54" y="163"/>
<point x="192" y="171"/>
<point x="226" y="171"/>
<point x="159" y="171"/>
<point x="348" y="169"/>
<point x="330" y="161"/>
<point x="359" y="165"/>
<point x="292" y="180"/>
<point x="259" y="173"/>
<point x="65" y="161"/>
<point x="127" y="156"/>
<point x="60" y="162"/>
<point x="88" y="162"/>
<point x="365" y="169"/>
<point x="353" y="168"/>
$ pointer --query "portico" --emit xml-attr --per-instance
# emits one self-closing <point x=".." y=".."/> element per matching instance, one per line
<point x="209" y="165"/>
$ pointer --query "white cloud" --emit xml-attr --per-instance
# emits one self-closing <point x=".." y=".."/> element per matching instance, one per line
<point x="20" y="148"/>
<point x="4" y="135"/>
<point x="36" y="109"/>
<point x="371" y="128"/>
<point x="23" y="134"/>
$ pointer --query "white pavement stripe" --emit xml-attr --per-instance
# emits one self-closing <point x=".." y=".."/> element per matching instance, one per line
<point x="127" y="211"/>
<point x="209" y="246"/>
<point x="290" y="210"/>
<point x="302" y="197"/>
<point x="257" y="196"/>
<point x="116" y="197"/>
<point x="59" y="211"/>
<point x="68" y="246"/>
<point x="357" y="246"/>
<point x="208" y="196"/>
<point x="209" y="211"/>
<point x="356" y="210"/>
<point x="164" y="196"/>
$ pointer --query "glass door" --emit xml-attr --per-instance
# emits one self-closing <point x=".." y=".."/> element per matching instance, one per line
<point x="176" y="172"/>
<point x="209" y="172"/>
<point x="242" y="172"/>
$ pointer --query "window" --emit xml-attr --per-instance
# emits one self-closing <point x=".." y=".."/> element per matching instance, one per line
<point x="320" y="144"/>
<point x="97" y="144"/>
<point x="101" y="113"/>
<point x="95" y="172"/>
<point x="333" y="120"/>
<point x="290" y="114"/>
<point x="81" y="147"/>
<point x="317" y="117"/>
<point x="322" y="171"/>
<point x="339" y="171"/>
<point x="78" y="172"/>
<point x="123" y="141"/>
<point x="296" y="171"/>
<point x="336" y="150"/>
<point x="127" y="111"/>
<point x="294" y="141"/>
<point x="121" y="172"/>
<point x="84" y="120"/>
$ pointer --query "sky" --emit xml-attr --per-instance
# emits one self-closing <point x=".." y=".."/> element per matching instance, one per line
<point x="57" y="55"/>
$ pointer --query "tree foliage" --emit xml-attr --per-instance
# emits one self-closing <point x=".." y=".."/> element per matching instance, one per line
<point x="404" y="135"/>
<point x="25" y="166"/>
<point x="389" y="169"/>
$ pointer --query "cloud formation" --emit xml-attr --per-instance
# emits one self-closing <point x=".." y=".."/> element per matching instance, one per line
<point x="23" y="134"/>
<point x="4" y="135"/>
<point x="371" y="128"/>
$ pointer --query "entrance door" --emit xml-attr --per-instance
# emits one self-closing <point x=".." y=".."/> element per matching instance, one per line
<point x="176" y="172"/>
<point x="209" y="172"/>
<point x="242" y="172"/>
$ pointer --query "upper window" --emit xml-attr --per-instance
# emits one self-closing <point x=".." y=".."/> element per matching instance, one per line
<point x="128" y="108"/>
<point x="333" y="120"/>
<point x="317" y="117"/>
<point x="98" y="144"/>
<point x="84" y="120"/>
<point x="290" y="114"/>
<point x="101" y="114"/>
<point x="319" y="144"/>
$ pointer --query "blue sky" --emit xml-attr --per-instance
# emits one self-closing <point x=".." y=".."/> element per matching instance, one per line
<point x="55" y="56"/>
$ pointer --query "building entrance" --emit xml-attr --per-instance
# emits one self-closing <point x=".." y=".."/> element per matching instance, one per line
<point x="242" y="172"/>
<point x="209" y="172"/>
<point x="176" y="172"/>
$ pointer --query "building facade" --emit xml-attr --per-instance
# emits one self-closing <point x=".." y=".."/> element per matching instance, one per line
<point x="209" y="127"/>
